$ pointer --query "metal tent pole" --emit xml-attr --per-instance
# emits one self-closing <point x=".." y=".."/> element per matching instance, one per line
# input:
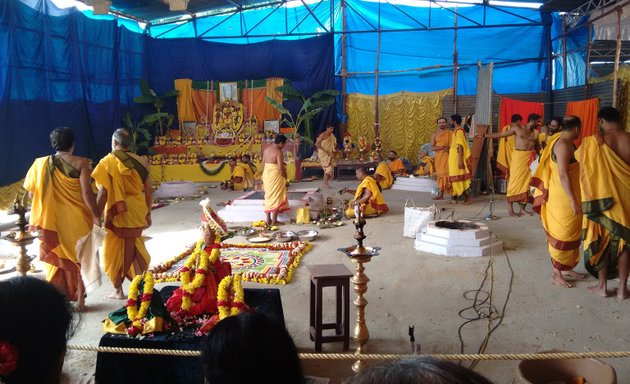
<point x="617" y="54"/>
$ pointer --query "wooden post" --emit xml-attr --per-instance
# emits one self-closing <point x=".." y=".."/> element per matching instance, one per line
<point x="378" y="54"/>
<point x="344" y="69"/>
<point x="617" y="54"/>
<point x="455" y="62"/>
<point x="588" y="60"/>
<point x="564" y="51"/>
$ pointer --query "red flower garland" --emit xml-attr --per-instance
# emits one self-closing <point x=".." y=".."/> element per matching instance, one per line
<point x="9" y="357"/>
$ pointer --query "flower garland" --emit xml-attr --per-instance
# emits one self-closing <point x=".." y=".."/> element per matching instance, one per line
<point x="296" y="249"/>
<point x="9" y="357"/>
<point x="203" y="261"/>
<point x="161" y="271"/>
<point x="230" y="296"/>
<point x="136" y="316"/>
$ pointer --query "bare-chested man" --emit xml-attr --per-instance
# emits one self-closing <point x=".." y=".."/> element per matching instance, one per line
<point x="440" y="145"/>
<point x="274" y="178"/>
<point x="525" y="139"/>
<point x="605" y="183"/>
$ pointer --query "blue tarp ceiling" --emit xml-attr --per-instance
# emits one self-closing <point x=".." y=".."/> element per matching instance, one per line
<point x="66" y="67"/>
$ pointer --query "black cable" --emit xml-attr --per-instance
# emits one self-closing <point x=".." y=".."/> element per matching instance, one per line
<point x="480" y="306"/>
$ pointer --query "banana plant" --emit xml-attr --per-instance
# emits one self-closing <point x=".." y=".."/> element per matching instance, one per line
<point x="310" y="107"/>
<point x="149" y="96"/>
<point x="141" y="135"/>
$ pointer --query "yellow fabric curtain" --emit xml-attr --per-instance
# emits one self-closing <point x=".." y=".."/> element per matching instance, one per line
<point x="8" y="193"/>
<point x="185" y="110"/>
<point x="272" y="84"/>
<point x="407" y="119"/>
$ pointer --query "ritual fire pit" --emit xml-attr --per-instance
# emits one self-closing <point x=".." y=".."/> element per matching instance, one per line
<point x="458" y="238"/>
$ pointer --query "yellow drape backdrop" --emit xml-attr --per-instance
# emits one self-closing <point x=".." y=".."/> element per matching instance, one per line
<point x="407" y="119"/>
<point x="185" y="110"/>
<point x="8" y="193"/>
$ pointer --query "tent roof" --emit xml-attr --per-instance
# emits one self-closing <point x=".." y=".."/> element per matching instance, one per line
<point x="562" y="5"/>
<point x="157" y="11"/>
<point x="150" y="10"/>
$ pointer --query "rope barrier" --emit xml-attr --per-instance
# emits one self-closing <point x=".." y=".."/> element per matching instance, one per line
<point x="375" y="356"/>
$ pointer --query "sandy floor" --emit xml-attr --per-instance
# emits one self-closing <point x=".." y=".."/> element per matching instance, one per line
<point x="409" y="287"/>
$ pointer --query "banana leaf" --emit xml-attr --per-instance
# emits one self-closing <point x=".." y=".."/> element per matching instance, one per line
<point x="277" y="106"/>
<point x="144" y="99"/>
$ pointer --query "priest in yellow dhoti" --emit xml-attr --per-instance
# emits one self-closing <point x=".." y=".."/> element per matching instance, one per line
<point x="63" y="210"/>
<point x="605" y="181"/>
<point x="326" y="145"/>
<point x="274" y="180"/>
<point x="382" y="174"/>
<point x="250" y="170"/>
<point x="460" y="163"/>
<point x="440" y="144"/>
<point x="557" y="200"/>
<point x="367" y="195"/>
<point x="125" y="192"/>
<point x="426" y="167"/>
<point x="238" y="178"/>
<point x="396" y="165"/>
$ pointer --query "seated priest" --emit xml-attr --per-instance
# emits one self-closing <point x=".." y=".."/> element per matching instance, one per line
<point x="396" y="165"/>
<point x="238" y="180"/>
<point x="426" y="167"/>
<point x="367" y="195"/>
<point x="382" y="174"/>
<point x="250" y="169"/>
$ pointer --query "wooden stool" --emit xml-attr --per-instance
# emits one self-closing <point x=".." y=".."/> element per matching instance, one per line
<point x="330" y="275"/>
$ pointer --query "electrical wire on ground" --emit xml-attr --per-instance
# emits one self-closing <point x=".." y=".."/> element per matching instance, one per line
<point x="483" y="307"/>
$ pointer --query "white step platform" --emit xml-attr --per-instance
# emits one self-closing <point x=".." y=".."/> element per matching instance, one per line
<point x="461" y="238"/>
<point x="249" y="207"/>
<point x="176" y="189"/>
<point x="415" y="184"/>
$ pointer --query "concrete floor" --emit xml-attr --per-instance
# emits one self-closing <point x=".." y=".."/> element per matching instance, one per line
<point x="409" y="287"/>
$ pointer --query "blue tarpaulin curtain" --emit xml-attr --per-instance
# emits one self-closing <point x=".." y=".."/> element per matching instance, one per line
<point x="61" y="68"/>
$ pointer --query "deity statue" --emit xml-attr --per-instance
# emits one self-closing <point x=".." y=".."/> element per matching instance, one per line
<point x="363" y="147"/>
<point x="377" y="146"/>
<point x="348" y="146"/>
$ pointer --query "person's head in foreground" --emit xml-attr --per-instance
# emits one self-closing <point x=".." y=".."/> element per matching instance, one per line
<point x="232" y="162"/>
<point x="361" y="173"/>
<point x="121" y="139"/>
<point x="34" y="328"/>
<point x="423" y="154"/>
<point x="572" y="126"/>
<point x="330" y="128"/>
<point x="280" y="141"/>
<point x="250" y="348"/>
<point x="609" y="116"/>
<point x="377" y="157"/>
<point x="62" y="139"/>
<point x="418" y="371"/>
<point x="246" y="159"/>
<point x="392" y="155"/>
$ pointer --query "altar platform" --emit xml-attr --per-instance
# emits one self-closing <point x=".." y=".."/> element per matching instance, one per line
<point x="120" y="368"/>
<point x="249" y="206"/>
<point x="195" y="173"/>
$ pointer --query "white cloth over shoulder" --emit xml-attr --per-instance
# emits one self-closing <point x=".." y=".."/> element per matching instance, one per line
<point x="87" y="256"/>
